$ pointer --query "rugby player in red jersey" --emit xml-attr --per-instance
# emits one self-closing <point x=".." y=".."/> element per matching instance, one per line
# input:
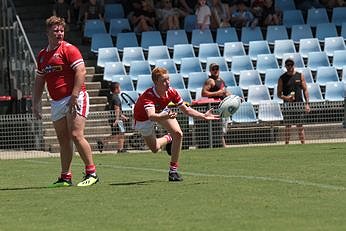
<point x="151" y="107"/>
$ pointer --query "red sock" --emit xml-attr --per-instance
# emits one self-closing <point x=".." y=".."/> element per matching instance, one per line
<point x="90" y="169"/>
<point x="66" y="175"/>
<point x="173" y="166"/>
<point x="169" y="138"/>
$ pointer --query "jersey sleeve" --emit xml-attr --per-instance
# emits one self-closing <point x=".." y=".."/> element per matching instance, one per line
<point x="39" y="71"/>
<point x="176" y="99"/>
<point x="73" y="56"/>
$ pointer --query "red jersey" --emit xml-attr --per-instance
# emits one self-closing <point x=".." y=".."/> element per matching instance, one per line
<point x="150" y="99"/>
<point x="58" y="68"/>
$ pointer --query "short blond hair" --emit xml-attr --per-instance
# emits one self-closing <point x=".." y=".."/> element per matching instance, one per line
<point x="54" y="20"/>
<point x="157" y="73"/>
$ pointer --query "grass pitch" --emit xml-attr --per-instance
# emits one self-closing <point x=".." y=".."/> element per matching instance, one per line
<point x="294" y="187"/>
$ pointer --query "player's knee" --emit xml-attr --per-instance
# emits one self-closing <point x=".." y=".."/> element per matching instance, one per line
<point x="177" y="135"/>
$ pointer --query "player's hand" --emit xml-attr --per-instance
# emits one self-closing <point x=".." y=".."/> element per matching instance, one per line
<point x="171" y="114"/>
<point x="73" y="106"/>
<point x="37" y="112"/>
<point x="210" y="116"/>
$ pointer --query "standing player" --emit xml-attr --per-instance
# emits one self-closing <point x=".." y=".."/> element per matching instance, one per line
<point x="291" y="84"/>
<point x="61" y="66"/>
<point x="151" y="107"/>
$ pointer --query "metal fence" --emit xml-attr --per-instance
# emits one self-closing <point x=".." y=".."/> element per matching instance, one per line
<point x="22" y="136"/>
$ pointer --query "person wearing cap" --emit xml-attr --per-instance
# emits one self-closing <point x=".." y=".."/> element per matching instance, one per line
<point x="215" y="87"/>
<point x="291" y="87"/>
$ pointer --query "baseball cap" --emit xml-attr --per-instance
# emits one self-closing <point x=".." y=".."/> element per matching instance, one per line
<point x="289" y="61"/>
<point x="212" y="65"/>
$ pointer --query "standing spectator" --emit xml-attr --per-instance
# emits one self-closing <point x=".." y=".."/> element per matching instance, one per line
<point x="203" y="14"/>
<point x="61" y="66"/>
<point x="151" y="107"/>
<point x="143" y="18"/>
<point x="116" y="120"/>
<point x="289" y="89"/>
<point x="93" y="10"/>
<point x="215" y="87"/>
<point x="62" y="9"/>
<point x="168" y="17"/>
<point x="220" y="14"/>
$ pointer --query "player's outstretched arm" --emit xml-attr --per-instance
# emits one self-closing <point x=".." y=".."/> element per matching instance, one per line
<point x="194" y="113"/>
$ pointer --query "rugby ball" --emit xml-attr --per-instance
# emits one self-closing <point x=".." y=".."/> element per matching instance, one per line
<point x="229" y="105"/>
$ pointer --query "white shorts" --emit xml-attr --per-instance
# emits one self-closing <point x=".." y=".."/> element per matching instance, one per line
<point x="146" y="128"/>
<point x="59" y="108"/>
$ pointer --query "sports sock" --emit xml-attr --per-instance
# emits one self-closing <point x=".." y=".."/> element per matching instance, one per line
<point x="168" y="137"/>
<point x="173" y="166"/>
<point x="90" y="170"/>
<point x="66" y="175"/>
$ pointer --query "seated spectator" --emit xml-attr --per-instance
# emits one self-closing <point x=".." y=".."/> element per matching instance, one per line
<point x="188" y="6"/>
<point x="265" y="11"/>
<point x="62" y="9"/>
<point x="330" y="4"/>
<point x="168" y="17"/>
<point x="220" y="15"/>
<point x="308" y="4"/>
<point x="203" y="14"/>
<point x="143" y="18"/>
<point x="93" y="10"/>
<point x="242" y="16"/>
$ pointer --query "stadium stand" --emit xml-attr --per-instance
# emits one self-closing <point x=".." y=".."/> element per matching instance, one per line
<point x="245" y="114"/>
<point x="226" y="34"/>
<point x="107" y="54"/>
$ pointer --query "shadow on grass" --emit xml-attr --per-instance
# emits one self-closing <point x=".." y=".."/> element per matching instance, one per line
<point x="145" y="182"/>
<point x="23" y="188"/>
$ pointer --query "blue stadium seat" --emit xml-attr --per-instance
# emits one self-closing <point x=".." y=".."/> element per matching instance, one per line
<point x="219" y="60"/>
<point x="185" y="95"/>
<point x="208" y="50"/>
<point x="190" y="23"/>
<point x="143" y="83"/>
<point x="228" y="78"/>
<point x="307" y="74"/>
<point x="157" y="52"/>
<point x="339" y="15"/>
<point x="272" y="76"/>
<point x="151" y="38"/>
<point x="297" y="58"/>
<point x="325" y="75"/>
<point x="233" y="49"/>
<point x="168" y="64"/>
<point x="128" y="99"/>
<point x="128" y="39"/>
<point x="119" y="25"/>
<point x="125" y="81"/>
<point x="182" y="51"/>
<point x="107" y="54"/>
<point x="257" y="48"/>
<point x="332" y="44"/>
<point x="315" y="94"/>
<point x="270" y="111"/>
<point x="236" y="90"/>
<point x="266" y="61"/>
<point x="248" y="78"/>
<point x="93" y="26"/>
<point x="201" y="36"/>
<point x="112" y="11"/>
<point x="245" y="114"/>
<point x="139" y="67"/>
<point x="285" y="5"/>
<point x="240" y="63"/>
<point x="324" y="30"/>
<point x="250" y="34"/>
<point x="292" y="17"/>
<point x="335" y="91"/>
<point x="226" y="34"/>
<point x="343" y="74"/>
<point x="300" y="32"/>
<point x="308" y="45"/>
<point x="176" y="80"/>
<point x="283" y="46"/>
<point x="317" y="16"/>
<point x="176" y="37"/>
<point x="100" y="40"/>
<point x="188" y="65"/>
<point x="343" y="30"/>
<point x="257" y="94"/>
<point x="339" y="59"/>
<point x="317" y="59"/>
<point x="275" y="95"/>
<point x="196" y="80"/>
<point x="132" y="54"/>
<point x="113" y="68"/>
<point x="276" y="32"/>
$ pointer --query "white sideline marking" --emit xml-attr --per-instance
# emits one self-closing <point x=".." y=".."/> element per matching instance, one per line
<point x="259" y="178"/>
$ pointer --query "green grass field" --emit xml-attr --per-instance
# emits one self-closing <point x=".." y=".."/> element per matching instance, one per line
<point x="295" y="187"/>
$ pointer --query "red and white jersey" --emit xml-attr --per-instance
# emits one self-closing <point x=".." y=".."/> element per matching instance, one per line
<point x="58" y="68"/>
<point x="150" y="99"/>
